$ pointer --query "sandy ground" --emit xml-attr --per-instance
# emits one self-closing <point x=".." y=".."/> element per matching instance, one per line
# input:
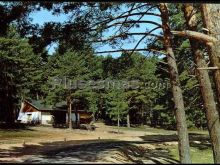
<point x="104" y="145"/>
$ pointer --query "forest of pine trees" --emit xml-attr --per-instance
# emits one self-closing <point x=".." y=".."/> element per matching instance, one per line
<point x="178" y="78"/>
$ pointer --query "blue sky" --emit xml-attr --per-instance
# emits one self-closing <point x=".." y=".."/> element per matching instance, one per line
<point x="43" y="16"/>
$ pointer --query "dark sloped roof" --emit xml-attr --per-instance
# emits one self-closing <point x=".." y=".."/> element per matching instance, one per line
<point x="42" y="106"/>
<point x="39" y="104"/>
<point x="60" y="105"/>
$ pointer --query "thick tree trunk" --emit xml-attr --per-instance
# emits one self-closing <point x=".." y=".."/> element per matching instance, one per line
<point x="212" y="114"/>
<point x="10" y="110"/>
<point x="10" y="116"/>
<point x="183" y="139"/>
<point x="128" y="120"/>
<point x="211" y="21"/>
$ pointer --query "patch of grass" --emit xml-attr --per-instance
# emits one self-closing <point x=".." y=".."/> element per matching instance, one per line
<point x="197" y="155"/>
<point x="145" y="129"/>
<point x="204" y="132"/>
<point x="132" y="128"/>
<point x="161" y="131"/>
<point x="9" y="134"/>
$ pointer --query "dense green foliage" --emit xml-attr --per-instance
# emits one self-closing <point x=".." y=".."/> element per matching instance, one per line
<point x="20" y="75"/>
<point x="27" y="71"/>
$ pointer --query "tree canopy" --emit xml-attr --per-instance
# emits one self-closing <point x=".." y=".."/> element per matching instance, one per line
<point x="171" y="82"/>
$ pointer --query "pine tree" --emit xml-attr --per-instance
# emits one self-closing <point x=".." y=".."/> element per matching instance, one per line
<point x="19" y="75"/>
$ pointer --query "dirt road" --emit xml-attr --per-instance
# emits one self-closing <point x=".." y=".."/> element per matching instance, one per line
<point x="104" y="145"/>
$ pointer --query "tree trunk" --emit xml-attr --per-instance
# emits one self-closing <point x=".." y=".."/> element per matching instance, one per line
<point x="68" y="113"/>
<point x="37" y="96"/>
<point x="77" y="119"/>
<point x="69" y="103"/>
<point x="212" y="114"/>
<point x="10" y="115"/>
<point x="71" y="125"/>
<point x="142" y="115"/>
<point x="183" y="139"/>
<point x="128" y="120"/>
<point x="211" y="21"/>
<point x="118" y="120"/>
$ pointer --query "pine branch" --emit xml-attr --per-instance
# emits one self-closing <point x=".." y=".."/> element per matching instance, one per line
<point x="126" y="17"/>
<point x="121" y="15"/>
<point x="133" y="21"/>
<point x="127" y="50"/>
<point x="130" y="34"/>
<point x="195" y="35"/>
<point x="143" y="39"/>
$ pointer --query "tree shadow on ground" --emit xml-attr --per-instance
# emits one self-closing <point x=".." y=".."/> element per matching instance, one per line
<point x="93" y="150"/>
<point x="173" y="137"/>
<point x="138" y="153"/>
<point x="14" y="127"/>
<point x="89" y="151"/>
<point x="200" y="141"/>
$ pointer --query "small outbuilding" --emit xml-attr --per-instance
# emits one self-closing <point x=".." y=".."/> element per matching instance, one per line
<point x="36" y="112"/>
